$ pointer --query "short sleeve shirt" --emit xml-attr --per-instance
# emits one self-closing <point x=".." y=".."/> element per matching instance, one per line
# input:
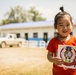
<point x="53" y="47"/>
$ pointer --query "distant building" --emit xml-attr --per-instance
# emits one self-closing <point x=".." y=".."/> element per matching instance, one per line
<point x="40" y="30"/>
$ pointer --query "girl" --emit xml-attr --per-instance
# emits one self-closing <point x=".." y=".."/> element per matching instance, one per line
<point x="63" y="24"/>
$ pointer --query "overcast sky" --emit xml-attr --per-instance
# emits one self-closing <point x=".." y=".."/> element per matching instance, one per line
<point x="49" y="8"/>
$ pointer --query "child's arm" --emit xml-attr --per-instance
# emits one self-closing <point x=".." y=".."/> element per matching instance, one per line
<point x="56" y="60"/>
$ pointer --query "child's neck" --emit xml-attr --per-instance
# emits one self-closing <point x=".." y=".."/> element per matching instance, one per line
<point x="66" y="38"/>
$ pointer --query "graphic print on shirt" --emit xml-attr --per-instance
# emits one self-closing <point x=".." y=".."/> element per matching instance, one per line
<point x="68" y="55"/>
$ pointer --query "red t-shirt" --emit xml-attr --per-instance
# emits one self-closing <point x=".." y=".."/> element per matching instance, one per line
<point x="53" y="47"/>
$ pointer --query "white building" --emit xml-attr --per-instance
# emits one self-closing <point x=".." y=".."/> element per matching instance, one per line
<point x="32" y="30"/>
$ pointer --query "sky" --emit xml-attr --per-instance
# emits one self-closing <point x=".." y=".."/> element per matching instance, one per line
<point x="48" y="8"/>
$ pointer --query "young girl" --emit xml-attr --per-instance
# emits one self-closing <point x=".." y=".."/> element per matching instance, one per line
<point x="63" y="24"/>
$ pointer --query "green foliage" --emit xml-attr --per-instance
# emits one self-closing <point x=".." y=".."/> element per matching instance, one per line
<point x="35" y="15"/>
<point x="17" y="14"/>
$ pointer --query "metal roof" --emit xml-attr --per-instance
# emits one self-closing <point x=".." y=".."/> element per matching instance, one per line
<point x="30" y="24"/>
<point x="27" y="24"/>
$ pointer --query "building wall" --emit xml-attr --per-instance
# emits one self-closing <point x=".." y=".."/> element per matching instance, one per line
<point x="30" y="31"/>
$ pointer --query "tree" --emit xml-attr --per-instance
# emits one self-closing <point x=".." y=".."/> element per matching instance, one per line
<point x="35" y="15"/>
<point x="17" y="14"/>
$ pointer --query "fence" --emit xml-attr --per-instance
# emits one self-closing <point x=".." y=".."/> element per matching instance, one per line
<point x="34" y="44"/>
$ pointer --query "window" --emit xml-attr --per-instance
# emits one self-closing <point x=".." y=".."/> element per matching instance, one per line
<point x="45" y="37"/>
<point x="56" y="34"/>
<point x="26" y="36"/>
<point x="4" y="34"/>
<point x="71" y="33"/>
<point x="35" y="35"/>
<point x="18" y="35"/>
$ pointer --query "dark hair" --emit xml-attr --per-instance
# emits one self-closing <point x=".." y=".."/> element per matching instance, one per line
<point x="60" y="15"/>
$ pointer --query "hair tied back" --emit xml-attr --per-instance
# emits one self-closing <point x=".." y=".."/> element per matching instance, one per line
<point x="62" y="9"/>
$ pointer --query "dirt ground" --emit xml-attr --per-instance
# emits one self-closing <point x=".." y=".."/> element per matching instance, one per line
<point x="21" y="58"/>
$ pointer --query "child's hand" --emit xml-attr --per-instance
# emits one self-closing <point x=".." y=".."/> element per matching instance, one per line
<point x="57" y="61"/>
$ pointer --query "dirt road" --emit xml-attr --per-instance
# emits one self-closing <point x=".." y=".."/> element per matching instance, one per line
<point x="21" y="58"/>
<point x="12" y="56"/>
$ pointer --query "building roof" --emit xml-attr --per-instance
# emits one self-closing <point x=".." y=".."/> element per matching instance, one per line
<point x="27" y="24"/>
<point x="30" y="24"/>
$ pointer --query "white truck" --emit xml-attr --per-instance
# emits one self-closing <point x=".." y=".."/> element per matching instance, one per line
<point x="11" y="40"/>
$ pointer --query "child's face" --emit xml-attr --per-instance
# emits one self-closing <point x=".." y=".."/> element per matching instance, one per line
<point x="64" y="26"/>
